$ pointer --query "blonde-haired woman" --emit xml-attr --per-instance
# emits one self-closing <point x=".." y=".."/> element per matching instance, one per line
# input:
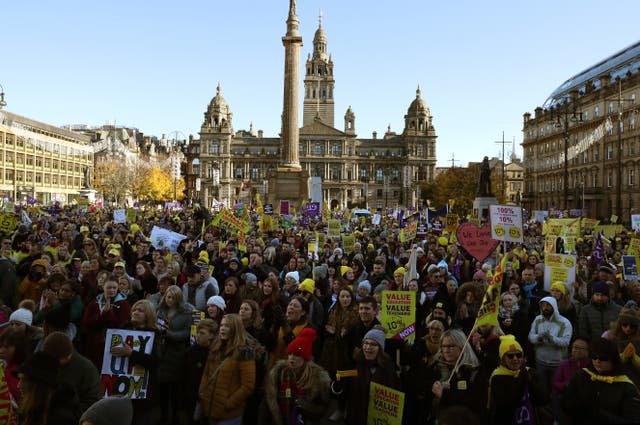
<point x="174" y="322"/>
<point x="143" y="318"/>
<point x="457" y="377"/>
<point x="229" y="375"/>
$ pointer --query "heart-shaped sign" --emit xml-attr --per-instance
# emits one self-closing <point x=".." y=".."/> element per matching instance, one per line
<point x="476" y="240"/>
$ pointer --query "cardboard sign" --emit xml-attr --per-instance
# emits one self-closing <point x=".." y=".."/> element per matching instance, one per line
<point x="398" y="314"/>
<point x="268" y="209"/>
<point x="348" y="243"/>
<point x="559" y="267"/>
<point x="476" y="240"/>
<point x="119" y="376"/>
<point x="629" y="267"/>
<point x="8" y="222"/>
<point x="635" y="222"/>
<point x="506" y="223"/>
<point x="409" y="232"/>
<point x="385" y="405"/>
<point x="131" y="215"/>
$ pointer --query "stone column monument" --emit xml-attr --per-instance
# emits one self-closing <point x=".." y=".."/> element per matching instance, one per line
<point x="289" y="181"/>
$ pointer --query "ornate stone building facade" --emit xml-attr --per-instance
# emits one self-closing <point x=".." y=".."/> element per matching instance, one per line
<point x="232" y="166"/>
<point x="582" y="147"/>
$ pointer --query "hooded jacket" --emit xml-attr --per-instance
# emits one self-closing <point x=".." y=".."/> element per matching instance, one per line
<point x="551" y="336"/>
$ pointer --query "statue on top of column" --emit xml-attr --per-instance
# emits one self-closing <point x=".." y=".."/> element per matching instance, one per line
<point x="484" y="185"/>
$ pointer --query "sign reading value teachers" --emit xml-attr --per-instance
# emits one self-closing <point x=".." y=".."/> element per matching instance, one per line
<point x="399" y="314"/>
<point x="385" y="405"/>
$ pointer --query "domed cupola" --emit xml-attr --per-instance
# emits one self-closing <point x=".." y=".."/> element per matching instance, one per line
<point x="218" y="113"/>
<point x="320" y="43"/>
<point x="418" y="116"/>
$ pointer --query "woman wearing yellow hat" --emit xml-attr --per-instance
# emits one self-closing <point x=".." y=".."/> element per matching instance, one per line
<point x="514" y="389"/>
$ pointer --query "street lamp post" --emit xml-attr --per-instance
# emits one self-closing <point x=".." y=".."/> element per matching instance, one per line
<point x="2" y="102"/>
<point x="563" y="120"/>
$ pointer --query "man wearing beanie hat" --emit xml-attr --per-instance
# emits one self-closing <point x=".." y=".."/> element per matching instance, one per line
<point x="109" y="411"/>
<point x="596" y="316"/>
<point x="508" y="384"/>
<point x="297" y="389"/>
<point x="550" y="335"/>
<point x="197" y="290"/>
<point x="291" y="281"/>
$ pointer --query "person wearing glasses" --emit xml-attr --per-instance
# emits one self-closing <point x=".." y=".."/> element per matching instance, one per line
<point x="514" y="389"/>
<point x="454" y="382"/>
<point x="600" y="393"/>
<point x="373" y="365"/>
<point x="626" y="336"/>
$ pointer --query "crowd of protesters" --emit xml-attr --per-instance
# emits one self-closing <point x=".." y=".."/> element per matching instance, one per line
<point x="288" y="336"/>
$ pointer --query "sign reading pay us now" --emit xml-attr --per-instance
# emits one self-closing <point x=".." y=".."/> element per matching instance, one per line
<point x="119" y="376"/>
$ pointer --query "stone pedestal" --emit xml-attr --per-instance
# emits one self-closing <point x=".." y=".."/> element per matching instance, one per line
<point x="481" y="206"/>
<point x="90" y="194"/>
<point x="288" y="184"/>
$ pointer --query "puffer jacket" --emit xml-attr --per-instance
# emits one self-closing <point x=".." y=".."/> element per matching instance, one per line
<point x="551" y="336"/>
<point x="224" y="394"/>
<point x="595" y="319"/>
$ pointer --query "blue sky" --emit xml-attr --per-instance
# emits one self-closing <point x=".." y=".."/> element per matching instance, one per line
<point x="155" y="65"/>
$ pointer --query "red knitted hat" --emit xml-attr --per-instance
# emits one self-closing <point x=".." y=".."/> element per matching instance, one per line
<point x="302" y="344"/>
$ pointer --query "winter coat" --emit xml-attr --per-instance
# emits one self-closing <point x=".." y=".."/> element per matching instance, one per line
<point x="565" y="371"/>
<point x="82" y="376"/>
<point x="174" y="343"/>
<point x="506" y="389"/>
<point x="383" y="373"/>
<point x="199" y="294"/>
<point x="224" y="394"/>
<point x="96" y="324"/>
<point x="309" y="402"/>
<point x="594" y="399"/>
<point x="594" y="319"/>
<point x="550" y="337"/>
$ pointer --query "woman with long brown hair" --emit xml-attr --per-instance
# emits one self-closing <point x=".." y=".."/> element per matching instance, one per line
<point x="229" y="375"/>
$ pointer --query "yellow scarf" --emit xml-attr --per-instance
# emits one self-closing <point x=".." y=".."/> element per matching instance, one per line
<point x="608" y="379"/>
<point x="501" y="371"/>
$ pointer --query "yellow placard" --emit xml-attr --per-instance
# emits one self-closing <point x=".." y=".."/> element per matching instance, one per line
<point x="333" y="228"/>
<point x="385" y="405"/>
<point x="8" y="222"/>
<point x="399" y="314"/>
<point x="348" y="243"/>
<point x="321" y="238"/>
<point x="452" y="222"/>
<point x="408" y="233"/>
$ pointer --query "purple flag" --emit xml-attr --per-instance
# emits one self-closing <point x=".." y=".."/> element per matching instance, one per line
<point x="598" y="250"/>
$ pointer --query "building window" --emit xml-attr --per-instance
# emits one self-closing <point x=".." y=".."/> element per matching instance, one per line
<point x="239" y="173"/>
<point x="379" y="175"/>
<point x="609" y="179"/>
<point x="586" y="115"/>
<point x="318" y="149"/>
<point x="420" y="152"/>
<point x="596" y="112"/>
<point x="255" y="173"/>
<point x="609" y="152"/>
<point x="611" y="108"/>
<point x="301" y="149"/>
<point x="632" y="177"/>
<point x="336" y="150"/>
<point x="632" y="148"/>
<point x="214" y="148"/>
<point x="335" y="172"/>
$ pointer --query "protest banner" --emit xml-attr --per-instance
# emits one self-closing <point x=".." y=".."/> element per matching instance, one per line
<point x="120" y="216"/>
<point x="452" y="222"/>
<point x="559" y="267"/>
<point x="348" y="243"/>
<point x="119" y="376"/>
<point x="506" y="223"/>
<point x="629" y="267"/>
<point x="8" y="222"/>
<point x="284" y="207"/>
<point x="634" y="249"/>
<point x="164" y="238"/>
<point x="131" y="215"/>
<point x="409" y="232"/>
<point x="385" y="405"/>
<point x="635" y="222"/>
<point x="333" y="228"/>
<point x="398" y="314"/>
<point x="476" y="240"/>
